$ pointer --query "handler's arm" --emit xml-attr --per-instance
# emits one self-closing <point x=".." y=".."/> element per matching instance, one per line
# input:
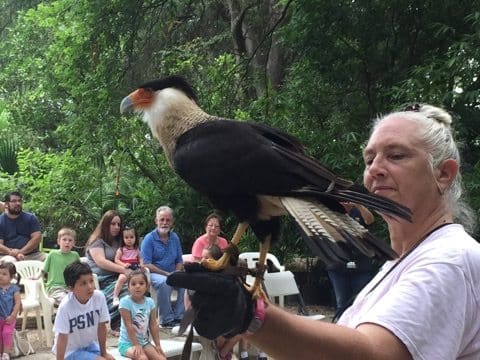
<point x="306" y="339"/>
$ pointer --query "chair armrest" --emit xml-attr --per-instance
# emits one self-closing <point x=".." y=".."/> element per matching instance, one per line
<point x="47" y="306"/>
<point x="42" y="294"/>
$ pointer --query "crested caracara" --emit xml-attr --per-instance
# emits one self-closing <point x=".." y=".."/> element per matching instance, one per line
<point x="258" y="173"/>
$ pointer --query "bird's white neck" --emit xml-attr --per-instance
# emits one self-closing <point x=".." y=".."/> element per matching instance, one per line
<point x="171" y="115"/>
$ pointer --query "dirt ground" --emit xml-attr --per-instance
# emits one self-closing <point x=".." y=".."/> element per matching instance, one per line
<point x="44" y="353"/>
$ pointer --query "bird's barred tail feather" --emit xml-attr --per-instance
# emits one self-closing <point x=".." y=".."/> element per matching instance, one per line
<point x="327" y="232"/>
<point x="359" y="195"/>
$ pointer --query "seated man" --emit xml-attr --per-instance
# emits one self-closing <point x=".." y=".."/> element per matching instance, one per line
<point x="162" y="254"/>
<point x="20" y="234"/>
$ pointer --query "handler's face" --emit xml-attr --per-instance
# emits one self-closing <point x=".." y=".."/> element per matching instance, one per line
<point x="396" y="165"/>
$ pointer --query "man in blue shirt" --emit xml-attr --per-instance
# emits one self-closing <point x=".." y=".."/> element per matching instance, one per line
<point x="162" y="254"/>
<point x="20" y="234"/>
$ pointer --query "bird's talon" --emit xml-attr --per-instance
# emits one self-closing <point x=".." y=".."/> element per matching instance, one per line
<point x="216" y="265"/>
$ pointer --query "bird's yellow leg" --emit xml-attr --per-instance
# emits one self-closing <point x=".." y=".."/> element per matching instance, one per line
<point x="216" y="265"/>
<point x="256" y="289"/>
<point x="241" y="229"/>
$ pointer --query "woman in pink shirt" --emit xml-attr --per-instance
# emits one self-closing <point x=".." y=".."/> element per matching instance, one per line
<point x="212" y="230"/>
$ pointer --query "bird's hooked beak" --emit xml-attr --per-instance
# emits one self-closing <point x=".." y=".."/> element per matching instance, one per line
<point x="138" y="100"/>
<point x="126" y="105"/>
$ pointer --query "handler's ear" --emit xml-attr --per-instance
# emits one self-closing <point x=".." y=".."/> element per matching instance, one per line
<point x="445" y="174"/>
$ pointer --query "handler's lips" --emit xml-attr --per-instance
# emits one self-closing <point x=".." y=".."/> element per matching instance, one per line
<point x="377" y="189"/>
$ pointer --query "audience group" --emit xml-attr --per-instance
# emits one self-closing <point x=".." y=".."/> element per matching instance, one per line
<point x="124" y="269"/>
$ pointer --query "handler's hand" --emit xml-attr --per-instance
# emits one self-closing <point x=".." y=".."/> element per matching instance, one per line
<point x="224" y="307"/>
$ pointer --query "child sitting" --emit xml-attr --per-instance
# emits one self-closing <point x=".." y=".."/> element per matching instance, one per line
<point x="128" y="256"/>
<point x="56" y="263"/>
<point x="80" y="325"/>
<point x="10" y="304"/>
<point x="139" y="319"/>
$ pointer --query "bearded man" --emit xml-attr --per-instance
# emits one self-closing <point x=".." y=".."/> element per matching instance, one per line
<point x="20" y="234"/>
<point x="162" y="255"/>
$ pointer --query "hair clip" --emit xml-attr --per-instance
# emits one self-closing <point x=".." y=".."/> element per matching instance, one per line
<point x="413" y="107"/>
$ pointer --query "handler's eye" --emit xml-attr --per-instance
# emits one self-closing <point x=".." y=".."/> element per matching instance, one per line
<point x="397" y="156"/>
<point x="368" y="161"/>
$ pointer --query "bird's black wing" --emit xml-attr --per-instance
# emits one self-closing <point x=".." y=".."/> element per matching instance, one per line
<point x="232" y="158"/>
<point x="235" y="163"/>
<point x="228" y="157"/>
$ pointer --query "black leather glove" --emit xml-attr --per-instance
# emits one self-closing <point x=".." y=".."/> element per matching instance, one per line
<point x="222" y="304"/>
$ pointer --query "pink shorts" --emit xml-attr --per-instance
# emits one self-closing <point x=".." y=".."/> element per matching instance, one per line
<point x="7" y="333"/>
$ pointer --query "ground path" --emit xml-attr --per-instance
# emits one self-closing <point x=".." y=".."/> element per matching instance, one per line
<point x="44" y="353"/>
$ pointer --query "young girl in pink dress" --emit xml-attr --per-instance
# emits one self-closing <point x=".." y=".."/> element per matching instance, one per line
<point x="128" y="255"/>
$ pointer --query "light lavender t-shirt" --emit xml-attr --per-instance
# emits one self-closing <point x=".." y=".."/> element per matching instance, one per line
<point x="431" y="300"/>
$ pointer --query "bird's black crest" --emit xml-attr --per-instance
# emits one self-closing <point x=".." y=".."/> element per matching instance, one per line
<point x="173" y="81"/>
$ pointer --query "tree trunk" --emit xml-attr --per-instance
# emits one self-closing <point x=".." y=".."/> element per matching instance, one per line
<point x="253" y="26"/>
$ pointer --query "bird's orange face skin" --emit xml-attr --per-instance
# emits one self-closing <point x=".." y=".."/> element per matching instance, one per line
<point x="141" y="98"/>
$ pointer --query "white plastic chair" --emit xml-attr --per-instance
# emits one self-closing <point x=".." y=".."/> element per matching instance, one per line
<point x="176" y="331"/>
<point x="187" y="258"/>
<point x="283" y="284"/>
<point x="36" y="298"/>
<point x="252" y="259"/>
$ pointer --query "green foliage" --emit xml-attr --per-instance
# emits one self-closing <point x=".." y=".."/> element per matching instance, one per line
<point x="8" y="156"/>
